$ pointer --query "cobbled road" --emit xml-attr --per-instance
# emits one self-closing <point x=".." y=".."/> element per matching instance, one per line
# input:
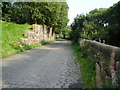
<point x="48" y="66"/>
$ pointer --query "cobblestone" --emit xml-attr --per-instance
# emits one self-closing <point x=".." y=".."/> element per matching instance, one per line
<point x="48" y="66"/>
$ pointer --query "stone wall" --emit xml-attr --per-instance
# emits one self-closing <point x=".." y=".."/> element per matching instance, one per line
<point x="107" y="60"/>
<point x="38" y="34"/>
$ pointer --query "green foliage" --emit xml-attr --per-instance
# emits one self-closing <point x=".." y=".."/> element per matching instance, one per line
<point x="89" y="26"/>
<point x="112" y="18"/>
<point x="87" y="66"/>
<point x="91" y="30"/>
<point x="66" y="32"/>
<point x="103" y="23"/>
<point x="76" y="27"/>
<point x="53" y="14"/>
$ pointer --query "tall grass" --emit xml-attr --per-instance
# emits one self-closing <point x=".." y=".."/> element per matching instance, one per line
<point x="11" y="34"/>
<point x="87" y="66"/>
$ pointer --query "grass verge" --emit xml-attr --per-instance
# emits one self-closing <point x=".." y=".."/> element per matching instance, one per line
<point x="25" y="47"/>
<point x="87" y="66"/>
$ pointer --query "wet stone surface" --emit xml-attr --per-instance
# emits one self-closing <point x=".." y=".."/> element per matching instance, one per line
<point x="49" y="66"/>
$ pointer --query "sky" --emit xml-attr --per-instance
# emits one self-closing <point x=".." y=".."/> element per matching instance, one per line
<point x="84" y="6"/>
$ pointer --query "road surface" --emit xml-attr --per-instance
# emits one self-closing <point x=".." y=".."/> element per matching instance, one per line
<point x="48" y="66"/>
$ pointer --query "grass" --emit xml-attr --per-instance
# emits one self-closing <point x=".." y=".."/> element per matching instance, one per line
<point x="11" y="34"/>
<point x="87" y="66"/>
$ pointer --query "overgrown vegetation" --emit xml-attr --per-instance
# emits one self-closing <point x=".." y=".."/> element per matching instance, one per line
<point x="98" y="24"/>
<point x="11" y="34"/>
<point x="87" y="66"/>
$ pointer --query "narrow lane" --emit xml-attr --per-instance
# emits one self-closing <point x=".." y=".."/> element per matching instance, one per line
<point x="48" y="66"/>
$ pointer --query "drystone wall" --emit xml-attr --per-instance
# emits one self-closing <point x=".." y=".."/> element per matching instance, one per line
<point x="39" y="33"/>
<point x="107" y="60"/>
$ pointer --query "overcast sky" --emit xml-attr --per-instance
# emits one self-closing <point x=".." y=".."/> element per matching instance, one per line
<point x="84" y="6"/>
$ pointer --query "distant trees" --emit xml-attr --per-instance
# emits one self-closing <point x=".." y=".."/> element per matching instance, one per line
<point x="103" y="23"/>
<point x="66" y="32"/>
<point x="53" y="14"/>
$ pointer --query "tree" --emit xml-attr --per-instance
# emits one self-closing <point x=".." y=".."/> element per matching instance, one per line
<point x="101" y="23"/>
<point x="113" y="24"/>
<point x="66" y="32"/>
<point x="52" y="14"/>
<point x="76" y="27"/>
